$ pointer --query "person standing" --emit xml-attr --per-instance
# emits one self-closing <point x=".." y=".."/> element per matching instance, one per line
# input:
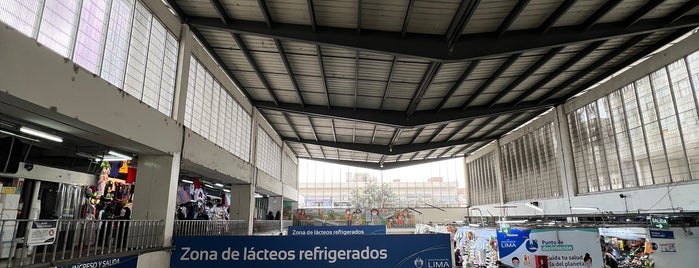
<point x="278" y="216"/>
<point x="270" y="216"/>
<point x="458" y="259"/>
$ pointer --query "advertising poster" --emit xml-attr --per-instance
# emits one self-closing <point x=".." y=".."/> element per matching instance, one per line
<point x="339" y="251"/>
<point x="42" y="233"/>
<point x="570" y="248"/>
<point x="338" y="230"/>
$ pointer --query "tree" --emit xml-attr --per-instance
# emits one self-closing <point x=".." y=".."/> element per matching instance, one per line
<point x="374" y="195"/>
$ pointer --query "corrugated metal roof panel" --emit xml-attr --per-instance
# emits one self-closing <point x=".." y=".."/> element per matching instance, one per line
<point x="383" y="15"/>
<point x="534" y="14"/>
<point x="437" y="90"/>
<point x="289" y="11"/>
<point x="314" y="98"/>
<point x="375" y="70"/>
<point x="339" y="68"/>
<point x="299" y="48"/>
<point x="201" y="8"/>
<point x="396" y="104"/>
<point x="342" y="100"/>
<point x="218" y="39"/>
<point x="370" y="89"/>
<point x="243" y="9"/>
<point x="488" y="16"/>
<point x="408" y="72"/>
<point x="450" y="72"/>
<point x="279" y="81"/>
<point x="234" y="60"/>
<point x="336" y="13"/>
<point x="338" y="52"/>
<point x="269" y="62"/>
<point x="622" y="11"/>
<point x="428" y="104"/>
<point x="258" y="43"/>
<point x="402" y="91"/>
<point x="304" y="65"/>
<point x="249" y="79"/>
<point x="579" y="12"/>
<point x="432" y="16"/>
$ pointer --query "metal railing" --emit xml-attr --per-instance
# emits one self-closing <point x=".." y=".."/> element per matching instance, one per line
<point x="59" y="241"/>
<point x="224" y="228"/>
<point x="321" y="222"/>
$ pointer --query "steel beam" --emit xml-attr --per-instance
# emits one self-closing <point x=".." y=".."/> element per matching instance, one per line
<point x="425" y="83"/>
<point x="311" y="15"/>
<point x="503" y="123"/>
<point x="313" y="129"/>
<point x="628" y="61"/>
<point x="292" y="126"/>
<point x="599" y="13"/>
<point x="436" y="132"/>
<point x="399" y="119"/>
<point x="388" y="82"/>
<point x="221" y="11"/>
<point x="417" y="135"/>
<point x="460" y="20"/>
<point x="332" y="126"/>
<point x="373" y="135"/>
<point x="386" y="150"/>
<point x="289" y="71"/>
<point x="220" y="61"/>
<point x="582" y="54"/>
<point x="377" y="166"/>
<point x="255" y="67"/>
<point x="356" y="77"/>
<point x="596" y="65"/>
<point x="359" y="16"/>
<point x="396" y="135"/>
<point x="479" y="127"/>
<point x="681" y="11"/>
<point x="406" y="20"/>
<point x="265" y="12"/>
<point x="553" y="18"/>
<point x="322" y="74"/>
<point x="543" y="60"/>
<point x="636" y="16"/>
<point x="491" y="79"/>
<point x="457" y="84"/>
<point x="445" y="152"/>
<point x="511" y="17"/>
<point x="433" y="47"/>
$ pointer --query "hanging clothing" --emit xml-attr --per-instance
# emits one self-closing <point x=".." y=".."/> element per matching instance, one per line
<point x="114" y="168"/>
<point x="131" y="175"/>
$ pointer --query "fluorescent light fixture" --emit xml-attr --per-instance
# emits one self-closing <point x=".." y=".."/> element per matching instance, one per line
<point x="18" y="136"/>
<point x="529" y="204"/>
<point x="110" y="159"/>
<point x="208" y="186"/>
<point x="40" y="134"/>
<point x="226" y="190"/>
<point x="258" y="195"/>
<point x="120" y="155"/>
<point x="516" y="221"/>
<point x="474" y="225"/>
<point x="186" y="181"/>
<point x="218" y="184"/>
<point x="585" y="208"/>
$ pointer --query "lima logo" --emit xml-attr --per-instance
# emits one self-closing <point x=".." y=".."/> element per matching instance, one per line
<point x="418" y="262"/>
<point x="532" y="245"/>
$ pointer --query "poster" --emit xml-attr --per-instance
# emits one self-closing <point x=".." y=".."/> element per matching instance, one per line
<point x="42" y="233"/>
<point x="339" y="251"/>
<point x="569" y="248"/>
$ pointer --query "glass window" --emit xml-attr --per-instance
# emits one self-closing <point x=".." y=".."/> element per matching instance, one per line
<point x="670" y="130"/>
<point x="58" y="25"/>
<point x="638" y="140"/>
<point x="649" y="119"/>
<point x="20" y="14"/>
<point x="689" y="115"/>
<point x="138" y="51"/>
<point x="91" y="31"/>
<point x="117" y="44"/>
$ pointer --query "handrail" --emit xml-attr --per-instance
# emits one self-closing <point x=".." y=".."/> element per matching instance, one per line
<point x="66" y="241"/>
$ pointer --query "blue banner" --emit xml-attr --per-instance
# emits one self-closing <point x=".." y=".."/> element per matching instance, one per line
<point x="121" y="262"/>
<point x="350" y="251"/>
<point x="338" y="230"/>
<point x="662" y="234"/>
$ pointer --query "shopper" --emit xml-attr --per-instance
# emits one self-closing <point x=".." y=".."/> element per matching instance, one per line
<point x="609" y="259"/>
<point x="270" y="216"/>
<point x="278" y="216"/>
<point x="458" y="259"/>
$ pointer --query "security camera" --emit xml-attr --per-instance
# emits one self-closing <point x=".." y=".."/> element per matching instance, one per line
<point x="28" y="166"/>
<point x="622" y="196"/>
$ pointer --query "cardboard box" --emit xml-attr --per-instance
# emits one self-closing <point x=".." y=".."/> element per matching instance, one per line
<point x="9" y="190"/>
<point x="8" y="214"/>
<point x="10" y="201"/>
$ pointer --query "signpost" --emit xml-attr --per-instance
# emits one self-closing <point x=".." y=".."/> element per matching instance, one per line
<point x="659" y="223"/>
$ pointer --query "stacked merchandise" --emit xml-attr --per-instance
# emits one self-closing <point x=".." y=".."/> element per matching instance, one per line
<point x="8" y="205"/>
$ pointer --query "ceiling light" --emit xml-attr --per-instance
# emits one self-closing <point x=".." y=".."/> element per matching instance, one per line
<point x="534" y="206"/>
<point x="120" y="155"/>
<point x="226" y="190"/>
<point x="18" y="136"/>
<point x="111" y="158"/>
<point x="187" y="181"/>
<point x="258" y="195"/>
<point x="517" y="221"/>
<point x="208" y="186"/>
<point x="585" y="208"/>
<point x="40" y="134"/>
<point x="474" y="225"/>
<point x="218" y="184"/>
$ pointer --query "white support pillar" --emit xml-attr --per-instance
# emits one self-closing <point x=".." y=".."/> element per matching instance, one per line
<point x="242" y="196"/>
<point x="154" y="199"/>
<point x="182" y="78"/>
<point x="498" y="172"/>
<point x="564" y="155"/>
